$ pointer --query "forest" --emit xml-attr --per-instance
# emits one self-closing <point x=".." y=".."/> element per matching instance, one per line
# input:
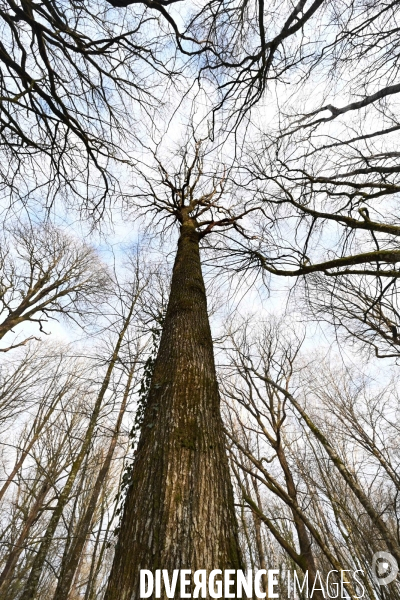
<point x="199" y="320"/>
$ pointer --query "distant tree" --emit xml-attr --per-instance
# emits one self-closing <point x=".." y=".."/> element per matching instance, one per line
<point x="40" y="451"/>
<point x="46" y="274"/>
<point x="119" y="330"/>
<point x="311" y="443"/>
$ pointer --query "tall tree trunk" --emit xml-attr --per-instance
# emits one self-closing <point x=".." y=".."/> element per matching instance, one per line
<point x="91" y="582"/>
<point x="258" y="539"/>
<point x="19" y="545"/>
<point x="25" y="452"/>
<point x="179" y="512"/>
<point x="30" y="590"/>
<point x="74" y="552"/>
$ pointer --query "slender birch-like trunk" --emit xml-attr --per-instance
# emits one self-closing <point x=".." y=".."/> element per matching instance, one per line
<point x="179" y="512"/>
<point x="19" y="546"/>
<point x="74" y="553"/>
<point x="31" y="586"/>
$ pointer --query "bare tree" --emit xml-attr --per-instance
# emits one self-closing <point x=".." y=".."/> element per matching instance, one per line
<point x="130" y="354"/>
<point x="32" y="583"/>
<point x="77" y="79"/>
<point x="46" y="274"/>
<point x="325" y="170"/>
<point x="268" y="410"/>
<point x="50" y="377"/>
<point x="29" y="501"/>
<point x="338" y="450"/>
<point x="180" y="462"/>
<point x="305" y="203"/>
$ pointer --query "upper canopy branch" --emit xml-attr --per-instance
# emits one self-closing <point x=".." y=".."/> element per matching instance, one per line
<point x="195" y="189"/>
<point x="334" y="267"/>
<point x="335" y="112"/>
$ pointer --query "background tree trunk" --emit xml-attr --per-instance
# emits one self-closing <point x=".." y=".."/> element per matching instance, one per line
<point x="32" y="583"/>
<point x="74" y="553"/>
<point x="179" y="511"/>
<point x="19" y="546"/>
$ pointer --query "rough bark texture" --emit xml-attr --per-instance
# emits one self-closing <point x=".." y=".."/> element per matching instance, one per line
<point x="179" y="512"/>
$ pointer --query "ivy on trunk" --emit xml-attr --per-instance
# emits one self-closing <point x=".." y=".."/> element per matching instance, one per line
<point x="179" y="511"/>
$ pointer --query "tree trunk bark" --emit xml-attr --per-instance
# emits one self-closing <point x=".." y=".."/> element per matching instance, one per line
<point x="179" y="512"/>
